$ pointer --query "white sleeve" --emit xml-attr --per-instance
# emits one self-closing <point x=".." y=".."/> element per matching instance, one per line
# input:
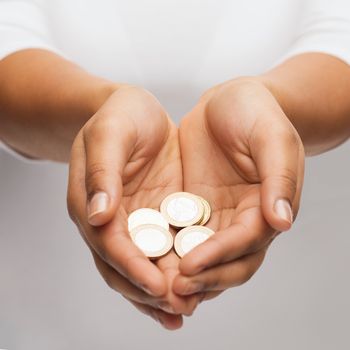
<point x="23" y="25"/>
<point x="325" y="28"/>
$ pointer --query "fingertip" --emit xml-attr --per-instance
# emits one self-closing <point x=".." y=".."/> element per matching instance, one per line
<point x="190" y="265"/>
<point x="170" y="322"/>
<point x="283" y="226"/>
<point x="99" y="209"/>
<point x="283" y="209"/>
<point x="99" y="219"/>
<point x="280" y="216"/>
<point x="179" y="284"/>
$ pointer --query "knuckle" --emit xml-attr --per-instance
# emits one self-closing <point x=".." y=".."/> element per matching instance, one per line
<point x="288" y="179"/>
<point x="95" y="172"/>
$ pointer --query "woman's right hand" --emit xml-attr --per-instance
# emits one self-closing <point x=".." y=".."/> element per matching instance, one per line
<point x="127" y="157"/>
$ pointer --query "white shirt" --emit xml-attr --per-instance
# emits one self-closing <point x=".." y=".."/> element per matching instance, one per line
<point x="176" y="48"/>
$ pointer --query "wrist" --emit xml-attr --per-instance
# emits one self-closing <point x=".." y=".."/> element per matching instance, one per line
<point x="98" y="95"/>
<point x="235" y="86"/>
<point x="266" y="83"/>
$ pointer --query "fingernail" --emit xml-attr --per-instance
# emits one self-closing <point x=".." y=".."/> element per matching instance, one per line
<point x="284" y="210"/>
<point x="146" y="290"/>
<point x="98" y="204"/>
<point x="193" y="287"/>
<point x="166" y="307"/>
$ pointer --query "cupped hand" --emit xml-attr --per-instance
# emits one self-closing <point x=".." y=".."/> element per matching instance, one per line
<point x="241" y="153"/>
<point x="124" y="158"/>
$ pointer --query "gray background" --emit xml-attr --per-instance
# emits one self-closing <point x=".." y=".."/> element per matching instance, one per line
<point x="51" y="296"/>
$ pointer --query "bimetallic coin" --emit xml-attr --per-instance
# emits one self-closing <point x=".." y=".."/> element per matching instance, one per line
<point x="145" y="216"/>
<point x="182" y="209"/>
<point x="190" y="237"/>
<point x="207" y="212"/>
<point x="153" y="240"/>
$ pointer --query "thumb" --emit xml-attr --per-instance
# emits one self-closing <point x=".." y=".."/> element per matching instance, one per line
<point x="107" y="148"/>
<point x="278" y="154"/>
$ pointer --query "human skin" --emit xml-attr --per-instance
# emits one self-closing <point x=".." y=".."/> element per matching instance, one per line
<point x="60" y="103"/>
<point x="255" y="130"/>
<point x="137" y="163"/>
<point x="121" y="142"/>
<point x="253" y="186"/>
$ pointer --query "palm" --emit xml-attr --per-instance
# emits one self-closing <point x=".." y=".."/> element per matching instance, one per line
<point x="209" y="171"/>
<point x="150" y="175"/>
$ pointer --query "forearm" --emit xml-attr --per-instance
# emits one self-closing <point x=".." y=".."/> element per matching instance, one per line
<point x="314" y="92"/>
<point x="44" y="101"/>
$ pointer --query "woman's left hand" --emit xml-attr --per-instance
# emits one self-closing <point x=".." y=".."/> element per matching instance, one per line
<point x="240" y="152"/>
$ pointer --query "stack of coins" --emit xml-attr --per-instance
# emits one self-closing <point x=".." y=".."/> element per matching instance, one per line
<point x="149" y="228"/>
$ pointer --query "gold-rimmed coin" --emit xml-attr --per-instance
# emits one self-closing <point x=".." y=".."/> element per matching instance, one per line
<point x="144" y="216"/>
<point x="155" y="241"/>
<point x="207" y="212"/>
<point x="190" y="237"/>
<point x="182" y="209"/>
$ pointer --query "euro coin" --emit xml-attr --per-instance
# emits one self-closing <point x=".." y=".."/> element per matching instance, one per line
<point x="145" y="216"/>
<point x="207" y="212"/>
<point x="190" y="237"/>
<point x="155" y="241"/>
<point x="182" y="209"/>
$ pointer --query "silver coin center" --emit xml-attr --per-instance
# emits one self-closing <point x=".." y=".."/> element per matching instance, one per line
<point x="150" y="240"/>
<point x="182" y="209"/>
<point x="145" y="216"/>
<point x="192" y="239"/>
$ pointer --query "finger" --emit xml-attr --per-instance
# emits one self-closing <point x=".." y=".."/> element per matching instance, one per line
<point x="249" y="233"/>
<point x="169" y="265"/>
<point x="121" y="285"/>
<point x="111" y="242"/>
<point x="76" y="178"/>
<point x="108" y="149"/>
<point x="220" y="277"/>
<point x="116" y="248"/>
<point x="170" y="322"/>
<point x="277" y="151"/>
<point x="206" y="296"/>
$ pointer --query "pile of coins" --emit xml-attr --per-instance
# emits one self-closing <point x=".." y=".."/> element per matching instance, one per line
<point x="149" y="228"/>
